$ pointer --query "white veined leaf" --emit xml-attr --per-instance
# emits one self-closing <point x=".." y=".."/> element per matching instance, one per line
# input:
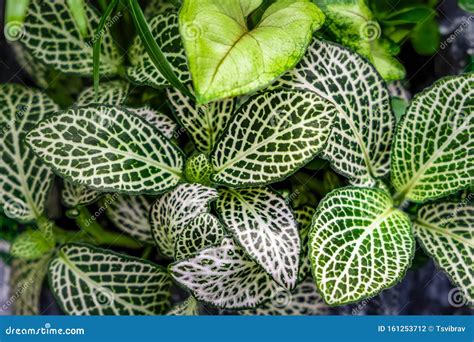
<point x="161" y="121"/>
<point x="130" y="215"/>
<point x="26" y="284"/>
<point x="113" y="93"/>
<point x="156" y="7"/>
<point x="432" y="154"/>
<point x="91" y="281"/>
<point x="109" y="149"/>
<point x="77" y="195"/>
<point x="265" y="227"/>
<point x="304" y="217"/>
<point x="204" y="123"/>
<point x="202" y="231"/>
<point x="52" y="37"/>
<point x="189" y="307"/>
<point x="359" y="146"/>
<point x="303" y="300"/>
<point x="164" y="27"/>
<point x="225" y="277"/>
<point x="360" y="244"/>
<point x="25" y="180"/>
<point x="271" y="136"/>
<point x="171" y="213"/>
<point x="38" y="71"/>
<point x="198" y="169"/>
<point x="446" y="232"/>
<point x="33" y="244"/>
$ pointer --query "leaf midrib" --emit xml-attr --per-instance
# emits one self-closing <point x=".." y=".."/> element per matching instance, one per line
<point x="445" y="232"/>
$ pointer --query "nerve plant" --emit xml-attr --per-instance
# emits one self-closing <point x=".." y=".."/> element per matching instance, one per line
<point x="259" y="98"/>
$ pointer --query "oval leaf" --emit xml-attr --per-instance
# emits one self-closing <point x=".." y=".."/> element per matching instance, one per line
<point x="91" y="281"/>
<point x="432" y="154"/>
<point x="359" y="244"/>
<point x="109" y="149"/>
<point x="161" y="121"/>
<point x="359" y="145"/>
<point x="77" y="195"/>
<point x="265" y="227"/>
<point x="216" y="35"/>
<point x="271" y="136"/>
<point x="113" y="93"/>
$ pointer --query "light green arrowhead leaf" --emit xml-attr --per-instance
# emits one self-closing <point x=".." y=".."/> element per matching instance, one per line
<point x="161" y="121"/>
<point x="53" y="37"/>
<point x="304" y="216"/>
<point x="265" y="227"/>
<point x="198" y="169"/>
<point x="109" y="149"/>
<point x="142" y="71"/>
<point x="25" y="180"/>
<point x="303" y="300"/>
<point x="446" y="232"/>
<point x="33" y="244"/>
<point x="172" y="211"/>
<point x="26" y="283"/>
<point x="271" y="136"/>
<point x="225" y="277"/>
<point x="130" y="215"/>
<point x="205" y="123"/>
<point x="113" y="93"/>
<point x="432" y="154"/>
<point x="189" y="307"/>
<point x="90" y="281"/>
<point x="359" y="244"/>
<point x="359" y="145"/>
<point x="78" y="195"/>
<point x="202" y="231"/>
<point x="216" y="36"/>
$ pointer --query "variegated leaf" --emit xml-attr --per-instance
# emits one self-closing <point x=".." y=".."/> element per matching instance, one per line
<point x="164" y="27"/>
<point x="271" y="136"/>
<point x="33" y="244"/>
<point x="171" y="213"/>
<point x="446" y="232"/>
<point x="304" y="218"/>
<point x="161" y="121"/>
<point x="77" y="195"/>
<point x="225" y="277"/>
<point x="303" y="300"/>
<point x="198" y="169"/>
<point x="359" y="146"/>
<point x="91" y="281"/>
<point x="204" y="123"/>
<point x="360" y="244"/>
<point x="264" y="226"/>
<point x="189" y="307"/>
<point x="38" y="71"/>
<point x="109" y="149"/>
<point x="52" y="37"/>
<point x="130" y="214"/>
<point x="25" y="180"/>
<point x="113" y="93"/>
<point x="26" y="284"/>
<point x="202" y="231"/>
<point x="432" y="154"/>
<point x="156" y="7"/>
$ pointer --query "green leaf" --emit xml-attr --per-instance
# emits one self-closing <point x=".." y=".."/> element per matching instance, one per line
<point x="171" y="213"/>
<point x="271" y="136"/>
<point x="26" y="283"/>
<point x="142" y="70"/>
<point x="205" y="123"/>
<point x="109" y="149"/>
<point x="113" y="93"/>
<point x="409" y="15"/>
<point x="202" y="231"/>
<point x="33" y="244"/>
<point x="265" y="227"/>
<point x="466" y="5"/>
<point x="159" y="120"/>
<point x="425" y="37"/>
<point x="198" y="169"/>
<point x="77" y="195"/>
<point x="446" y="232"/>
<point x="91" y="281"/>
<point x="39" y="72"/>
<point x="130" y="215"/>
<point x="79" y="14"/>
<point x="25" y="181"/>
<point x="189" y="307"/>
<point x="216" y="35"/>
<point x="359" y="145"/>
<point x="384" y="61"/>
<point x="156" y="7"/>
<point x="53" y="37"/>
<point x="359" y="244"/>
<point x="432" y="154"/>
<point x="225" y="277"/>
<point x="304" y="218"/>
<point x="303" y="300"/>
